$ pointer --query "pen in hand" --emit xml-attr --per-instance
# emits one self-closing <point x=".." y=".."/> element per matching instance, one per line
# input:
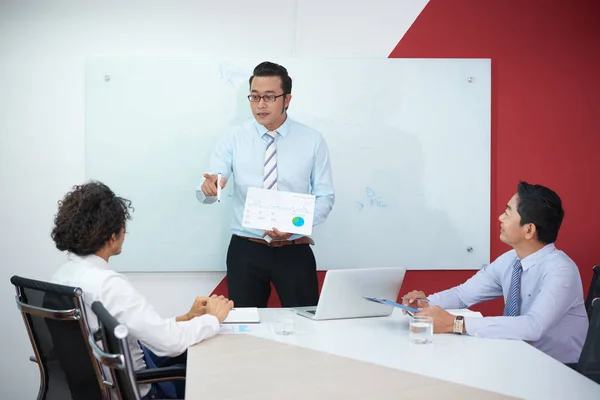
<point x="418" y="301"/>
<point x="219" y="187"/>
<point x="414" y="300"/>
<point x="417" y="298"/>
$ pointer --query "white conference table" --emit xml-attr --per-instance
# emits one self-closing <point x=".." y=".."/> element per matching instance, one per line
<point x="509" y="367"/>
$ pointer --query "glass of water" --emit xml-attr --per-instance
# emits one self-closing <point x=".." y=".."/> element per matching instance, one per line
<point x="421" y="330"/>
<point x="284" y="321"/>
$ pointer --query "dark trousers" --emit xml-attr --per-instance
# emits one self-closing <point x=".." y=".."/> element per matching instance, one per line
<point x="252" y="266"/>
<point x="169" y="389"/>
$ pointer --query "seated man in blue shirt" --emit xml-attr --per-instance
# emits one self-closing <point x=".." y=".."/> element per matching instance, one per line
<point x="540" y="284"/>
<point x="276" y="153"/>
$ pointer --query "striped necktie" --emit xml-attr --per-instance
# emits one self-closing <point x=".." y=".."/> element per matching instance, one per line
<point x="512" y="308"/>
<point x="270" y="169"/>
<point x="270" y="174"/>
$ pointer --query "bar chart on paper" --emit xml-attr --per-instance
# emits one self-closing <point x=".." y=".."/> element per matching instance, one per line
<point x="288" y="212"/>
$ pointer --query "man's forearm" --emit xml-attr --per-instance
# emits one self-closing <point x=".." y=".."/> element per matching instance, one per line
<point x="447" y="299"/>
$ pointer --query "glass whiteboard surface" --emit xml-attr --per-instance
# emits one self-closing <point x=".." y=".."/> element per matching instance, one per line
<point x="409" y="141"/>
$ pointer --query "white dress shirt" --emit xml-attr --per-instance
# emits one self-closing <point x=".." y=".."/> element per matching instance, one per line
<point x="164" y="336"/>
<point x="553" y="317"/>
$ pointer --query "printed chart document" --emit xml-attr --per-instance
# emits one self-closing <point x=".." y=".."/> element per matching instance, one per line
<point x="288" y="212"/>
<point x="242" y="315"/>
<point x="408" y="309"/>
<point x="245" y="329"/>
<point x="465" y="312"/>
<point x="235" y="329"/>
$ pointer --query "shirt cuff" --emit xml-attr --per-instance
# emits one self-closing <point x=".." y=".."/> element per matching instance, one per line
<point x="204" y="198"/>
<point x="473" y="325"/>
<point x="210" y="320"/>
<point x="433" y="300"/>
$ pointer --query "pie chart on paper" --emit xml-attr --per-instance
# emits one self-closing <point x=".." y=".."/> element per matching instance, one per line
<point x="288" y="211"/>
<point x="298" y="221"/>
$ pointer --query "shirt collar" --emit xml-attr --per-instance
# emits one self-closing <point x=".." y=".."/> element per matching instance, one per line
<point x="91" y="259"/>
<point x="533" y="259"/>
<point x="282" y="130"/>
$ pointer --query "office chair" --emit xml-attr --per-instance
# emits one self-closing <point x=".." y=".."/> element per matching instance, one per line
<point x="117" y="357"/>
<point x="594" y="290"/>
<point x="55" y="320"/>
<point x="589" y="361"/>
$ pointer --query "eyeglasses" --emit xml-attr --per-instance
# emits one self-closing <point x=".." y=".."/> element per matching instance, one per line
<point x="267" y="98"/>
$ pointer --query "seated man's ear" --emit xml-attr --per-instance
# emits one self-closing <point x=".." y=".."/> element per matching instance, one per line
<point x="530" y="231"/>
<point x="114" y="237"/>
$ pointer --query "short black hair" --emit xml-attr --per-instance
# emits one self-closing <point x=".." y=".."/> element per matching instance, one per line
<point x="87" y="218"/>
<point x="268" y="68"/>
<point x="542" y="207"/>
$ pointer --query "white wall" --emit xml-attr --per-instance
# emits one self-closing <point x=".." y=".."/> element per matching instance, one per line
<point x="43" y="46"/>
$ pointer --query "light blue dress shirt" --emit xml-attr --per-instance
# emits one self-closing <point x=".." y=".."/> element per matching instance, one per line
<point x="553" y="317"/>
<point x="302" y="167"/>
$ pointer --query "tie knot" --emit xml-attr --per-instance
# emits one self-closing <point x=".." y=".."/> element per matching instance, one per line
<point x="518" y="265"/>
<point x="272" y="134"/>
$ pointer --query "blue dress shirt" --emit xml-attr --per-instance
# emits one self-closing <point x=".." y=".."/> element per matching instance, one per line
<point x="552" y="318"/>
<point x="302" y="167"/>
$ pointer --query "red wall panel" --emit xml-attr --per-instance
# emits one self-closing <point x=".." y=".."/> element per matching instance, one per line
<point x="545" y="107"/>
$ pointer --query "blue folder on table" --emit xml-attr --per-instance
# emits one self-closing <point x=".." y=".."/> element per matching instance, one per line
<point x="411" y="311"/>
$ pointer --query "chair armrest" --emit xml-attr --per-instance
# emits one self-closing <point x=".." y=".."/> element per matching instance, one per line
<point x="160" y="375"/>
<point x="33" y="359"/>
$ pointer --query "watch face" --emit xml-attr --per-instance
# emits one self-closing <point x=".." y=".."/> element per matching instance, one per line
<point x="458" y="325"/>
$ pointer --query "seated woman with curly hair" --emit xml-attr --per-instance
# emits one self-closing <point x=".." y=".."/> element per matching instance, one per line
<point x="90" y="226"/>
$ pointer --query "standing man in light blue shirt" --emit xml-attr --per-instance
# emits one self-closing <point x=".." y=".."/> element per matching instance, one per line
<point x="541" y="285"/>
<point x="273" y="152"/>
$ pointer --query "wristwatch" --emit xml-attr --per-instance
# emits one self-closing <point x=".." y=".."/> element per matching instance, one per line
<point x="459" y="322"/>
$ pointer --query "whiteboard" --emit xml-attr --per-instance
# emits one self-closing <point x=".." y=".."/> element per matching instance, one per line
<point x="409" y="141"/>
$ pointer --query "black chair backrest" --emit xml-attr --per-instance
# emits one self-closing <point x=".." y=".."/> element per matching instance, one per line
<point x="594" y="290"/>
<point x="116" y="354"/>
<point x="589" y="362"/>
<point x="54" y="316"/>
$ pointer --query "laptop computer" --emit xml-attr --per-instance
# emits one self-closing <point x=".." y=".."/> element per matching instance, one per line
<point x="343" y="291"/>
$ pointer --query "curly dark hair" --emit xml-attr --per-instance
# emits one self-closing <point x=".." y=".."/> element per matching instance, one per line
<point x="87" y="218"/>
